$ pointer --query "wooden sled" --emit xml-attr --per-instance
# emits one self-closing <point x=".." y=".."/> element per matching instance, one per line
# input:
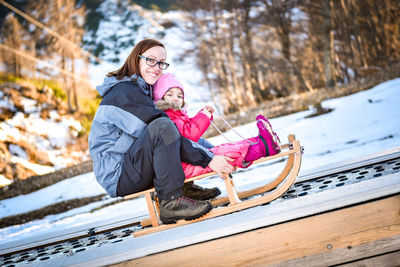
<point x="236" y="200"/>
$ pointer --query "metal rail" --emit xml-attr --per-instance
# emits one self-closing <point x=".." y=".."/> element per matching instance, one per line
<point x="331" y="186"/>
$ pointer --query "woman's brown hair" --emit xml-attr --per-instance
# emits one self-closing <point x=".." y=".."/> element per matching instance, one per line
<point x="131" y="65"/>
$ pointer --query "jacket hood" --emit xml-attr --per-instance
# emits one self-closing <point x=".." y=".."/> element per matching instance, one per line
<point x="109" y="82"/>
<point x="165" y="105"/>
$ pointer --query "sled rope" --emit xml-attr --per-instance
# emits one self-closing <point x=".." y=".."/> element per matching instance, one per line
<point x="227" y="123"/>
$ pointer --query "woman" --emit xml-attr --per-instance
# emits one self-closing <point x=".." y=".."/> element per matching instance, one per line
<point x="135" y="146"/>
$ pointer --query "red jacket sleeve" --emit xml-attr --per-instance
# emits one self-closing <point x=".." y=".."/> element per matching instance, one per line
<point x="192" y="128"/>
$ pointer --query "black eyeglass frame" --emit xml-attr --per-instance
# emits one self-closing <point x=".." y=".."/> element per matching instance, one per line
<point x="159" y="63"/>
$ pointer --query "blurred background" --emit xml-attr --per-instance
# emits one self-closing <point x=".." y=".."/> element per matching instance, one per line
<point x="243" y="57"/>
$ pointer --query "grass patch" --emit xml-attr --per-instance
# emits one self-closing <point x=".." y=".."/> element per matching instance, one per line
<point x="87" y="105"/>
<point x="88" y="110"/>
<point x="56" y="88"/>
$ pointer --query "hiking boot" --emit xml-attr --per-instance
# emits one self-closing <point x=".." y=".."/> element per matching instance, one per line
<point x="182" y="208"/>
<point x="196" y="192"/>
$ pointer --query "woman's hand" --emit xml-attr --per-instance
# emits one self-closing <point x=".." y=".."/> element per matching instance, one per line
<point x="220" y="164"/>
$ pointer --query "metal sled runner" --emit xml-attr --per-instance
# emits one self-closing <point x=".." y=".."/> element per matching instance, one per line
<point x="236" y="200"/>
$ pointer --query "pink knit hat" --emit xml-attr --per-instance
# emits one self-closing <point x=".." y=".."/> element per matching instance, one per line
<point x="163" y="84"/>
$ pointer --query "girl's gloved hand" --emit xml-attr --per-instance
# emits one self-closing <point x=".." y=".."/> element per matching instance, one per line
<point x="208" y="110"/>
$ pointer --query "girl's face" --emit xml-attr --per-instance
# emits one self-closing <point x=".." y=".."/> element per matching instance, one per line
<point x="151" y="74"/>
<point x="174" y="94"/>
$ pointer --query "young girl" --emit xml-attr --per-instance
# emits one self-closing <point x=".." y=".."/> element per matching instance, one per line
<point x="168" y="96"/>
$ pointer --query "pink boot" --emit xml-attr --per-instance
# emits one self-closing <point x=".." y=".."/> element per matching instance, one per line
<point x="256" y="151"/>
<point x="275" y="136"/>
<point x="265" y="145"/>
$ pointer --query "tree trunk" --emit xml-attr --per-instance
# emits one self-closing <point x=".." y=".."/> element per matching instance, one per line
<point x="76" y="104"/>
<point x="327" y="42"/>
<point x="283" y="26"/>
<point x="252" y="87"/>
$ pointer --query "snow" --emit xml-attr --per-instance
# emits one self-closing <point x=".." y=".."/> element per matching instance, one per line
<point x="37" y="168"/>
<point x="85" y="184"/>
<point x="4" y="180"/>
<point x="17" y="151"/>
<point x="29" y="105"/>
<point x="57" y="131"/>
<point x="51" y="136"/>
<point x="6" y="103"/>
<point x="7" y="130"/>
<point x="360" y="124"/>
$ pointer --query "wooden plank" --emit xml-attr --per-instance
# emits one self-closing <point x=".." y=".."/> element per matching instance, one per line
<point x="366" y="254"/>
<point x="230" y="189"/>
<point x="385" y="260"/>
<point x="324" y="233"/>
<point x="152" y="212"/>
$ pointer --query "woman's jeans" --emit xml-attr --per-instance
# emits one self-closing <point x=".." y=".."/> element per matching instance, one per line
<point x="154" y="160"/>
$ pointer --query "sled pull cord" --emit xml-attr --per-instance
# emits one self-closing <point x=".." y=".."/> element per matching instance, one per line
<point x="227" y="123"/>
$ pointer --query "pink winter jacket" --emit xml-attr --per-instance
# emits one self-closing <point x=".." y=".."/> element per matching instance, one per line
<point x="193" y="128"/>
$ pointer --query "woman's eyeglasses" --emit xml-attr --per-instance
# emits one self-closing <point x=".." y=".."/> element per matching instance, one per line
<point x="152" y="62"/>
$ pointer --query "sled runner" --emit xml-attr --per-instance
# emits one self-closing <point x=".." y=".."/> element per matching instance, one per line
<point x="236" y="200"/>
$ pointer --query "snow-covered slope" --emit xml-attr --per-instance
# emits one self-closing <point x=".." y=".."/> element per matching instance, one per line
<point x="36" y="134"/>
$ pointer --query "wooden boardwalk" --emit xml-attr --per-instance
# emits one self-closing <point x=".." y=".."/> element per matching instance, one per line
<point x="368" y="233"/>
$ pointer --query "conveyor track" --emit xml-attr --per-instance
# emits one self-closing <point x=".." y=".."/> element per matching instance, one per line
<point x="119" y="232"/>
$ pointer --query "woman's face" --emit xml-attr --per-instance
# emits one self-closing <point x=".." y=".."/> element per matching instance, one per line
<point x="174" y="94"/>
<point x="151" y="74"/>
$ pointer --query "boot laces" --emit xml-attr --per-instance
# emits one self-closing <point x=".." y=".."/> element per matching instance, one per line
<point x="189" y="201"/>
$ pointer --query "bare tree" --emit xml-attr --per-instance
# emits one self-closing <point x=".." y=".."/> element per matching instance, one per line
<point x="250" y="51"/>
<point x="66" y="19"/>
<point x="321" y="36"/>
<point x="327" y="42"/>
<point x="11" y="36"/>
